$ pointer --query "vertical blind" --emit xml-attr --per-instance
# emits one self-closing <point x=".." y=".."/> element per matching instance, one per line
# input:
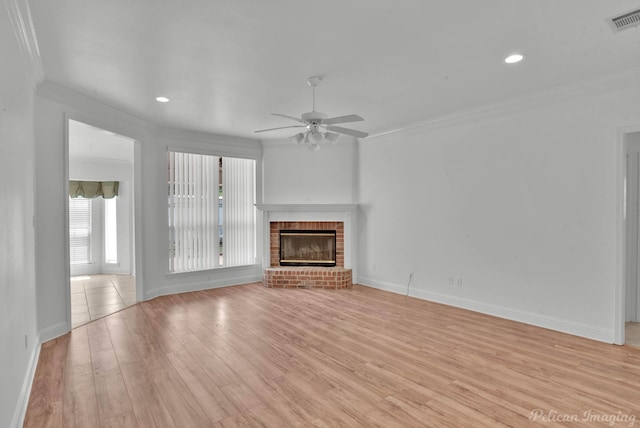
<point x="238" y="190"/>
<point x="193" y="211"/>
<point x="194" y="214"/>
<point x="79" y="231"/>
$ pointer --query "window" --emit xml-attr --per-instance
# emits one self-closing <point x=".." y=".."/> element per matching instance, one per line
<point x="79" y="231"/>
<point x="110" y="231"/>
<point x="211" y="211"/>
<point x="238" y="193"/>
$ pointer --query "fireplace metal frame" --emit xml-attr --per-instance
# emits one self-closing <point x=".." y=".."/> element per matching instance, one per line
<point x="322" y="263"/>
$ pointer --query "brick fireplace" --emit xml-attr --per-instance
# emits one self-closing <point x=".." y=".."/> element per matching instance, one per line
<point x="336" y="218"/>
<point x="276" y="226"/>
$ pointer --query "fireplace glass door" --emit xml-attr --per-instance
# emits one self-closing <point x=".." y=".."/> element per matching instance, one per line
<point x="307" y="248"/>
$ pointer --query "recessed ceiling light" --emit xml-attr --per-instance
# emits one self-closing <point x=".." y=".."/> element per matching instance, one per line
<point x="162" y="99"/>
<point x="512" y="59"/>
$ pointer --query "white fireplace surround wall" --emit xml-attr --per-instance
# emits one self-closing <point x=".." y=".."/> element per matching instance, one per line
<point x="346" y="213"/>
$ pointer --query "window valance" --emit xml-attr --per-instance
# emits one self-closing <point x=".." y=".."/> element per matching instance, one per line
<point x="93" y="189"/>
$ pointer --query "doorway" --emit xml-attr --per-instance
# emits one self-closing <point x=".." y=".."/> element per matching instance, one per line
<point x="101" y="222"/>
<point x="96" y="296"/>
<point x="632" y="240"/>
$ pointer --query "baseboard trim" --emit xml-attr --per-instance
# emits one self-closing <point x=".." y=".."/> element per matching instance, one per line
<point x="44" y="335"/>
<point x="25" y="392"/>
<point x="201" y="285"/>
<point x="551" y="323"/>
<point x="381" y="285"/>
<point x="53" y="331"/>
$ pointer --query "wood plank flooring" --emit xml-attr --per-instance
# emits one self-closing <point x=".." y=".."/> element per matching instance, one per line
<point x="252" y="356"/>
<point x="632" y="334"/>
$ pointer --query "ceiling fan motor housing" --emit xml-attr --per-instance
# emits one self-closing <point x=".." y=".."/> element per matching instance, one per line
<point x="313" y="116"/>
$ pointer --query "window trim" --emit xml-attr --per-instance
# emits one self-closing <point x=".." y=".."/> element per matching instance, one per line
<point x="256" y="183"/>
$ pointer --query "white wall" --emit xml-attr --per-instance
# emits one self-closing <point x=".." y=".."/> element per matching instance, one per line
<point x="52" y="267"/>
<point x="54" y="105"/>
<point x="157" y="257"/>
<point x="519" y="201"/>
<point x="295" y="175"/>
<point x="17" y="265"/>
<point x="108" y="170"/>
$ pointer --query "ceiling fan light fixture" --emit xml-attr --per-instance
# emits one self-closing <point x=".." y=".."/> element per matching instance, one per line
<point x="314" y="147"/>
<point x="331" y="137"/>
<point x="298" y="138"/>
<point x="316" y="137"/>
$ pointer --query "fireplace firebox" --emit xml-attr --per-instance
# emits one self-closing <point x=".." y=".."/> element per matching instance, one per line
<point x="307" y="247"/>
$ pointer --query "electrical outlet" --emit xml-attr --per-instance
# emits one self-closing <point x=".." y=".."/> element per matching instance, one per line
<point x="374" y="267"/>
<point x="459" y="281"/>
<point x="450" y="280"/>
<point x="26" y="341"/>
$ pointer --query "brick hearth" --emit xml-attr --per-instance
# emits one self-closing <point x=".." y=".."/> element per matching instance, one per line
<point x="306" y="277"/>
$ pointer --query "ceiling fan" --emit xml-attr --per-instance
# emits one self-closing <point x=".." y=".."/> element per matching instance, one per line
<point x="318" y="125"/>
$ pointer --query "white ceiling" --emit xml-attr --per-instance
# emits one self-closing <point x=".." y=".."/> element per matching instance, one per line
<point x="94" y="144"/>
<point x="227" y="64"/>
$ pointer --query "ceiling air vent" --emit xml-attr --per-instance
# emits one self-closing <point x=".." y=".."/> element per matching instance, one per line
<point x="627" y="20"/>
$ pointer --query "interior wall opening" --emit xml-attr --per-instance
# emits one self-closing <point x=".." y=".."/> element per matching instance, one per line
<point x="632" y="238"/>
<point x="101" y="222"/>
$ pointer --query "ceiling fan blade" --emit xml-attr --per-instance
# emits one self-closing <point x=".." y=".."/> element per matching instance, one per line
<point x="347" y="131"/>
<point x="289" y="117"/>
<point x="342" y="119"/>
<point x="281" y="127"/>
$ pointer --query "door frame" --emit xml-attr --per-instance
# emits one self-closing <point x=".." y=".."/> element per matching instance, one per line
<point x="632" y="304"/>
<point x="620" y="291"/>
<point x="136" y="206"/>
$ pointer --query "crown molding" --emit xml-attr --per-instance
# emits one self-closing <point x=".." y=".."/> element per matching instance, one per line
<point x="177" y="139"/>
<point x="61" y="94"/>
<point x="286" y="142"/>
<point x="277" y="142"/>
<point x="88" y="110"/>
<point x="98" y="160"/>
<point x="307" y="207"/>
<point x="522" y="103"/>
<point x="22" y="23"/>
<point x="206" y="137"/>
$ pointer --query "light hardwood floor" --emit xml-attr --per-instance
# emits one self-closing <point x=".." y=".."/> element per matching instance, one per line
<point x="251" y="356"/>
<point x="632" y="334"/>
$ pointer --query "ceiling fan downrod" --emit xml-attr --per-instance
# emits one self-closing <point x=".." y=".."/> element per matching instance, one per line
<point x="313" y="81"/>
